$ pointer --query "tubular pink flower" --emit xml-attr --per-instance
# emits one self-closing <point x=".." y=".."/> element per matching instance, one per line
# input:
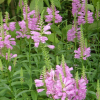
<point x="58" y="88"/>
<point x="71" y="34"/>
<point x="39" y="83"/>
<point x="50" y="16"/>
<point x="78" y="8"/>
<point x="12" y="26"/>
<point x="51" y="46"/>
<point x="86" y="53"/>
<point x="80" y="92"/>
<point x="9" y="68"/>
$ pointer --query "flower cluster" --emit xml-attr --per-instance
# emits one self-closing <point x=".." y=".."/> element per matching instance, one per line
<point x="60" y="84"/>
<point x="72" y="34"/>
<point x="56" y="16"/>
<point x="84" y="53"/>
<point x="79" y="9"/>
<point x="11" y="26"/>
<point x="28" y="23"/>
<point x="38" y="36"/>
<point x="6" y="42"/>
<point x="8" y="26"/>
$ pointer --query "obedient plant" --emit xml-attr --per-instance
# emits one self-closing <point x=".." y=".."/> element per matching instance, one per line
<point x="49" y="18"/>
<point x="79" y="7"/>
<point x="53" y="14"/>
<point x="82" y="52"/>
<point x="6" y="25"/>
<point x="60" y="83"/>
<point x="39" y="36"/>
<point x="56" y="80"/>
<point x="29" y="22"/>
<point x="6" y="42"/>
<point x="73" y="33"/>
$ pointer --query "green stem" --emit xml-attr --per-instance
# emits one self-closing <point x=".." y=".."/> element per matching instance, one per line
<point x="9" y="76"/>
<point x="30" y="59"/>
<point x="20" y="45"/>
<point x="46" y="57"/>
<point x="98" y="37"/>
<point x="30" y="53"/>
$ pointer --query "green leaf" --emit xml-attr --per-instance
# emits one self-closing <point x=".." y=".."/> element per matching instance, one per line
<point x="34" y="95"/>
<point x="57" y="3"/>
<point x="29" y="82"/>
<point x="91" y="93"/>
<point x="93" y="26"/>
<point x="22" y="93"/>
<point x="16" y="83"/>
<point x="4" y="98"/>
<point x="12" y="33"/>
<point x="7" y="87"/>
<point x="8" y="2"/>
<point x="56" y="30"/>
<point x="43" y="93"/>
<point x="40" y="5"/>
<point x="17" y="72"/>
<point x="26" y="67"/>
<point x="51" y="38"/>
<point x="47" y="3"/>
<point x="2" y="92"/>
<point x="90" y="7"/>
<point x="1" y="1"/>
<point x="25" y="96"/>
<point x="1" y="67"/>
<point x="94" y="2"/>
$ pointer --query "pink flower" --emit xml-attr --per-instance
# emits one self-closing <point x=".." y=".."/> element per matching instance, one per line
<point x="22" y="24"/>
<point x="80" y="91"/>
<point x="71" y="34"/>
<point x="78" y="8"/>
<point x="9" y="68"/>
<point x="11" y="56"/>
<point x="51" y="46"/>
<point x="86" y="53"/>
<point x="64" y="86"/>
<point x="40" y="90"/>
<point x="47" y="27"/>
<point x="39" y="83"/>
<point x="49" y="17"/>
<point x="15" y="55"/>
<point x="37" y="36"/>
<point x="12" y="26"/>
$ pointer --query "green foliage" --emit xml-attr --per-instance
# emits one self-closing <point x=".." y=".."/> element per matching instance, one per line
<point x="39" y="5"/>
<point x="19" y="83"/>
<point x="1" y="1"/>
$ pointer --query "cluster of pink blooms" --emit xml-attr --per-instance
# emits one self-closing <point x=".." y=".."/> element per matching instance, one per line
<point x="72" y="34"/>
<point x="9" y="68"/>
<point x="78" y="8"/>
<point x="85" y="51"/>
<point x="30" y="28"/>
<point x="38" y="36"/>
<point x="61" y="85"/>
<point x="6" y="42"/>
<point x="50" y="16"/>
<point x="10" y="26"/>
<point x="11" y="56"/>
<point x="28" y="23"/>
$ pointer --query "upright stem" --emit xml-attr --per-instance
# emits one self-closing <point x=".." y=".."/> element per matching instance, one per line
<point x="30" y="59"/>
<point x="98" y="38"/>
<point x="20" y="45"/>
<point x="30" y="53"/>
